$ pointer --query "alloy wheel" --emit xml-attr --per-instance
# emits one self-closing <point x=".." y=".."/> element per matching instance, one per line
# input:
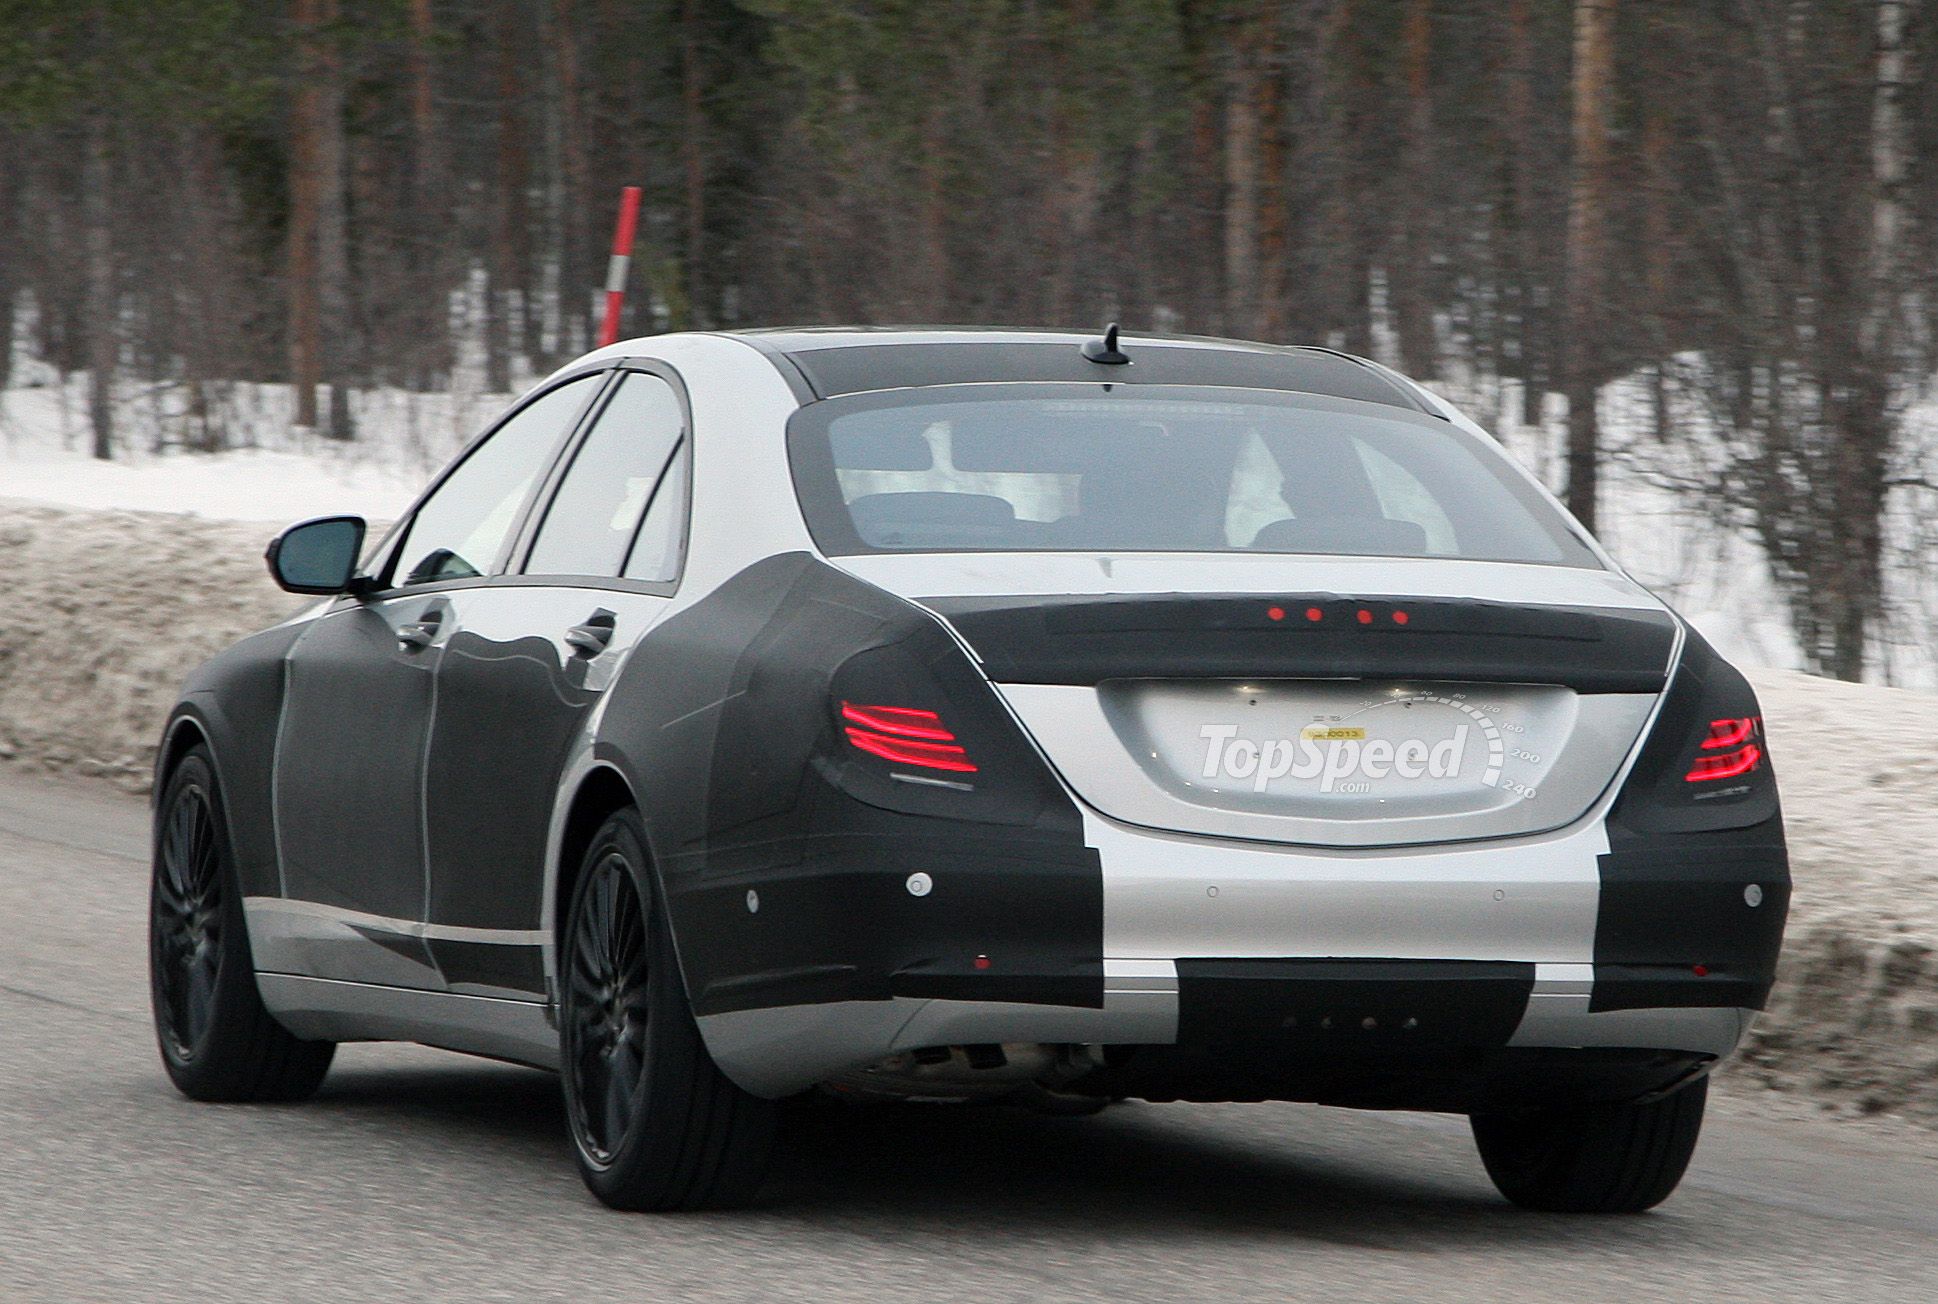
<point x="606" y="1009"/>
<point x="187" y="920"/>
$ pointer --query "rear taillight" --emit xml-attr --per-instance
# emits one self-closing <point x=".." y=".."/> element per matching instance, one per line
<point x="1731" y="750"/>
<point x="906" y="735"/>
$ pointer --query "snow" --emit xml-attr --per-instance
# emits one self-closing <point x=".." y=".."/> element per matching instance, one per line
<point x="282" y="475"/>
<point x="1853" y="1017"/>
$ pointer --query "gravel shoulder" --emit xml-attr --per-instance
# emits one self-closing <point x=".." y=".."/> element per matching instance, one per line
<point x="105" y="612"/>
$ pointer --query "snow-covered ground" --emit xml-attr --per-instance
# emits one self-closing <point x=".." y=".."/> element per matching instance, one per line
<point x="279" y="474"/>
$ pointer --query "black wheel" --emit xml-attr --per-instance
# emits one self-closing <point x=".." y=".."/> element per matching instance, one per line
<point x="1597" y="1159"/>
<point x="217" y="1040"/>
<point x="654" y="1122"/>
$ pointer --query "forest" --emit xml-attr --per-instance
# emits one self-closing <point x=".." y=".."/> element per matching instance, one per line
<point x="1728" y="207"/>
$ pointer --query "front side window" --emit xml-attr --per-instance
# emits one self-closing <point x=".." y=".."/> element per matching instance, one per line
<point x="1159" y="468"/>
<point x="590" y="526"/>
<point x="460" y="529"/>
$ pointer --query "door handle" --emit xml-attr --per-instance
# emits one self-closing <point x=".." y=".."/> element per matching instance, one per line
<point x="420" y="634"/>
<point x="593" y="637"/>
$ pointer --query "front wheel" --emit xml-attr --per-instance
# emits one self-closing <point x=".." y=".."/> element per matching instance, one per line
<point x="655" y="1124"/>
<point x="217" y="1040"/>
<point x="1593" y="1159"/>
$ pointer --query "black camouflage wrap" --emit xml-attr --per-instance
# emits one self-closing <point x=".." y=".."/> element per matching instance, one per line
<point x="723" y="722"/>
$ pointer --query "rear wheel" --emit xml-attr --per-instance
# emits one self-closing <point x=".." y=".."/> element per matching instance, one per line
<point x="654" y="1122"/>
<point x="1595" y="1159"/>
<point x="217" y="1040"/>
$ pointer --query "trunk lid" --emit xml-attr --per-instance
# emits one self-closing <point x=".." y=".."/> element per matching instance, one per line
<point x="1343" y="702"/>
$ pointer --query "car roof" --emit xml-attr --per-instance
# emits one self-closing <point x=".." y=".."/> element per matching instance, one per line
<point x="829" y="361"/>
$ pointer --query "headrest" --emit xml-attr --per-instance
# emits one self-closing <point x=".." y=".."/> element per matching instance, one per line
<point x="1375" y="536"/>
<point x="915" y="520"/>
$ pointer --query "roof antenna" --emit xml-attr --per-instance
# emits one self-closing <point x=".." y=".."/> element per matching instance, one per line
<point x="1105" y="350"/>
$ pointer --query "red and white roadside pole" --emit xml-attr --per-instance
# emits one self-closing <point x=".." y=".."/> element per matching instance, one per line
<point x="622" y="257"/>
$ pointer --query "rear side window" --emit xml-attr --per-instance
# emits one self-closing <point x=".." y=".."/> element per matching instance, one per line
<point x="460" y="529"/>
<point x="657" y="552"/>
<point x="614" y="477"/>
<point x="1150" y="468"/>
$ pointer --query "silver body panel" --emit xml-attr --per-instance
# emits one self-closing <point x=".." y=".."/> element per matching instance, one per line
<point x="1174" y="764"/>
<point x="973" y="574"/>
<point x="322" y="1009"/>
<point x="781" y="1051"/>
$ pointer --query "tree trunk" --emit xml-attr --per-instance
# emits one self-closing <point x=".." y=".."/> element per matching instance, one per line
<point x="1201" y="290"/>
<point x="339" y="352"/>
<point x="1274" y="216"/>
<point x="1860" y="380"/>
<point x="103" y="326"/>
<point x="505" y="263"/>
<point x="199" y="304"/>
<point x="1411" y="301"/>
<point x="935" y="214"/>
<point x="1524" y="242"/>
<point x="1659" y="236"/>
<point x="1594" y="87"/>
<point x="575" y="270"/>
<point x="1242" y="131"/>
<point x="305" y="342"/>
<point x="429" y="344"/>
<point x="11" y="250"/>
<point x="693" y="160"/>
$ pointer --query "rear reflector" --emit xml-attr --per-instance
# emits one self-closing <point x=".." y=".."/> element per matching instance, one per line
<point x="905" y="735"/>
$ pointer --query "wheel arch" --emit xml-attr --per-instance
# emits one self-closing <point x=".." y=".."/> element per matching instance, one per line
<point x="599" y="794"/>
<point x="184" y="732"/>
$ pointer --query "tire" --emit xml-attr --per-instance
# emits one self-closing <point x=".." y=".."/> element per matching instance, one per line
<point x="1596" y="1159"/>
<point x="217" y="1041"/>
<point x="655" y="1125"/>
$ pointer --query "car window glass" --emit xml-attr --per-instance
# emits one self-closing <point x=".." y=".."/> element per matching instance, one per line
<point x="656" y="555"/>
<point x="592" y="519"/>
<point x="1403" y="498"/>
<point x="459" y="530"/>
<point x="1160" y="468"/>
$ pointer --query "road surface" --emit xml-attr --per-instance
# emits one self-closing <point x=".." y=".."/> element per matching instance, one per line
<point x="417" y="1175"/>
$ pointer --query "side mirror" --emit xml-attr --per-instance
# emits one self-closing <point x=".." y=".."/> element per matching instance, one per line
<point x="318" y="556"/>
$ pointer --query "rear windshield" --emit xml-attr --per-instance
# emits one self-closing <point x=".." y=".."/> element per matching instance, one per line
<point x="1096" y="468"/>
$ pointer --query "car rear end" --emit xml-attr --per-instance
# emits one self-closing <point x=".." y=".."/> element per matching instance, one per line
<point x="1397" y="792"/>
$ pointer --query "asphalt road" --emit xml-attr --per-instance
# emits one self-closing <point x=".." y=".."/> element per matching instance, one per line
<point x="417" y="1175"/>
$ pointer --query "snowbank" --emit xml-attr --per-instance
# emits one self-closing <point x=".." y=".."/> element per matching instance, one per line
<point x="102" y="614"/>
<point x="1854" y="1019"/>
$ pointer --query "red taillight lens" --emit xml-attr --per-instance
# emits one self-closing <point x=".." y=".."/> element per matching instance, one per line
<point x="1730" y="733"/>
<point x="902" y="721"/>
<point x="1735" y="753"/>
<point x="1726" y="766"/>
<point x="905" y="735"/>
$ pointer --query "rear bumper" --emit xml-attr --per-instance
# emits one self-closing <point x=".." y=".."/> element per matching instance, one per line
<point x="1344" y="1032"/>
<point x="1246" y="970"/>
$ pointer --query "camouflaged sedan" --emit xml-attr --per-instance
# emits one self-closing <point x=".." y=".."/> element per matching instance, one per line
<point x="972" y="716"/>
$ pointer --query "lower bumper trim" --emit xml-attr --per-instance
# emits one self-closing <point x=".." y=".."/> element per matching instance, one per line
<point x="1352" y="1006"/>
